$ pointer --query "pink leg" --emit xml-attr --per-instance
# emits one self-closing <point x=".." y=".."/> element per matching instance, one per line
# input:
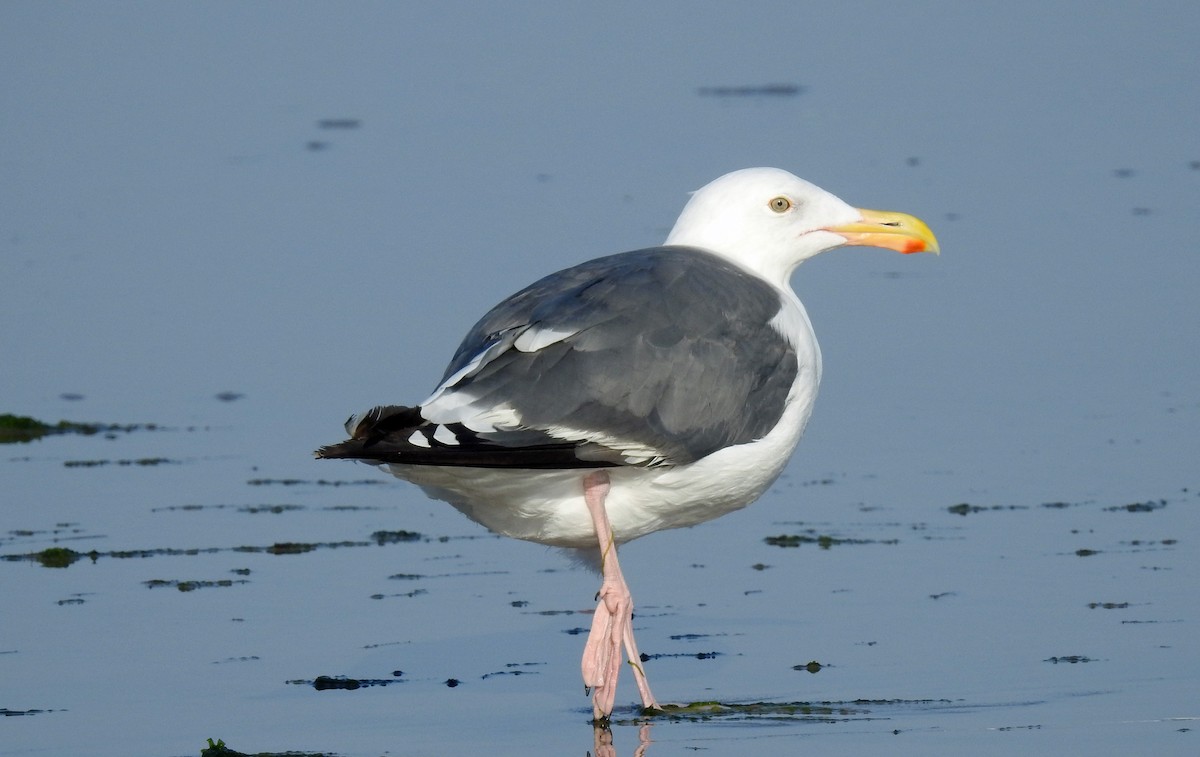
<point x="612" y="623"/>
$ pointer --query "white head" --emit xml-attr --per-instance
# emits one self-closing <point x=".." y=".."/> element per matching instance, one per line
<point x="770" y="221"/>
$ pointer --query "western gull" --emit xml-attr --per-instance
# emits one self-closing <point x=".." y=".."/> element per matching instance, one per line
<point x="646" y="390"/>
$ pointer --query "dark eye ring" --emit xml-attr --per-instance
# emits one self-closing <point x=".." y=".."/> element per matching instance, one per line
<point x="780" y="204"/>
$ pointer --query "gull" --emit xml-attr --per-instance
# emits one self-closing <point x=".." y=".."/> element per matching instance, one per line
<point x="652" y="389"/>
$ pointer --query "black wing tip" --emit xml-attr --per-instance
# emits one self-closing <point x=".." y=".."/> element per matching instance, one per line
<point x="381" y="435"/>
<point x="343" y="450"/>
<point x="370" y="428"/>
<point x="383" y="419"/>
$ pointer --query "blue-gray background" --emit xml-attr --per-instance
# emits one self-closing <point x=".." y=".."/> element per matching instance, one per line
<point x="175" y="222"/>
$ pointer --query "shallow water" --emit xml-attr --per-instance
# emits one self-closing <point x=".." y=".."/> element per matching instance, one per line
<point x="1061" y="625"/>
<point x="987" y="540"/>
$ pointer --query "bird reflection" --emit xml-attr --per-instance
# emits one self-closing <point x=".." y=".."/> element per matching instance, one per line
<point x="602" y="741"/>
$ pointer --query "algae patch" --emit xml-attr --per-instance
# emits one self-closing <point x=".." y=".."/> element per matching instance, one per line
<point x="826" y="711"/>
<point x="824" y="541"/>
<point x="965" y="508"/>
<point x="143" y="461"/>
<point x="314" y="482"/>
<point x="62" y="557"/>
<point x="1138" y="507"/>
<point x="157" y="583"/>
<point x="345" y="683"/>
<point x="15" y="429"/>
<point x="57" y="557"/>
<point x="218" y="749"/>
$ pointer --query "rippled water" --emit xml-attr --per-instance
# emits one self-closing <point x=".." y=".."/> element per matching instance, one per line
<point x="241" y="223"/>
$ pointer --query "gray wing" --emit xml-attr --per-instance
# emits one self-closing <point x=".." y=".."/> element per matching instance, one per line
<point x="662" y="355"/>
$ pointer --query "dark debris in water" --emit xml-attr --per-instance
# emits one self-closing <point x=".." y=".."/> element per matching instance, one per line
<point x="692" y="636"/>
<point x="1072" y="659"/>
<point x="824" y="541"/>
<point x="819" y="482"/>
<point x="514" y="669"/>
<point x="62" y="557"/>
<point x="158" y="583"/>
<point x="964" y="508"/>
<point x="1133" y="545"/>
<point x="295" y="548"/>
<point x="827" y="712"/>
<point x="143" y="461"/>
<point x="59" y="533"/>
<point x="4" y="711"/>
<point x="1151" y="542"/>
<point x="22" y="428"/>
<point x="1107" y="605"/>
<point x="313" y="482"/>
<point x="326" y="683"/>
<point x="273" y="508"/>
<point x="413" y="593"/>
<point x="692" y="655"/>
<point x="218" y="749"/>
<point x="1138" y="507"/>
<point x="395" y="537"/>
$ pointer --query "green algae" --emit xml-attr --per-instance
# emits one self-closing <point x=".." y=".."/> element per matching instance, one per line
<point x="57" y="557"/>
<point x="218" y="749"/>
<point x="16" y="429"/>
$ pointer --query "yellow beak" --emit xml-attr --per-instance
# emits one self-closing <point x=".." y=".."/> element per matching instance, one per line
<point x="885" y="228"/>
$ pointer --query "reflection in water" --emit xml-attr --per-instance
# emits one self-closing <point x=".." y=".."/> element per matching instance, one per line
<point x="602" y="741"/>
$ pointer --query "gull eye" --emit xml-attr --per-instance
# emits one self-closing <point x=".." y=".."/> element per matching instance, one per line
<point x="780" y="204"/>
